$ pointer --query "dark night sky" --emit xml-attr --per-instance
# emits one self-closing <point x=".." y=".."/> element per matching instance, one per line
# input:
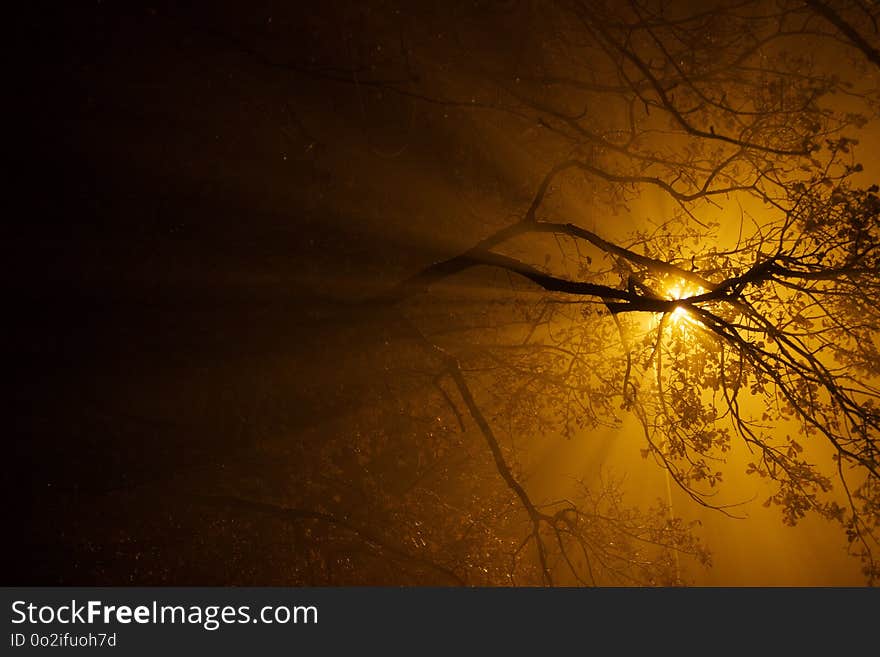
<point x="194" y="209"/>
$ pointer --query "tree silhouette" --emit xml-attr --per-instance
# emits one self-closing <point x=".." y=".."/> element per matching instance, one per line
<point x="748" y="313"/>
<point x="714" y="113"/>
<point x="661" y="220"/>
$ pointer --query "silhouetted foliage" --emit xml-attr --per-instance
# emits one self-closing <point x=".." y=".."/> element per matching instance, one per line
<point x="716" y="112"/>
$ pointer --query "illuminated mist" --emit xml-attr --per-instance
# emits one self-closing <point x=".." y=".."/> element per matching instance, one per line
<point x="300" y="303"/>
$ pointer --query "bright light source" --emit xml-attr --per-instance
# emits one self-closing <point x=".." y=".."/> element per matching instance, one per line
<point x="679" y="314"/>
<point x="681" y="291"/>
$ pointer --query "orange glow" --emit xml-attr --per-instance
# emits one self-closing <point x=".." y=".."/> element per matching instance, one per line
<point x="682" y="290"/>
